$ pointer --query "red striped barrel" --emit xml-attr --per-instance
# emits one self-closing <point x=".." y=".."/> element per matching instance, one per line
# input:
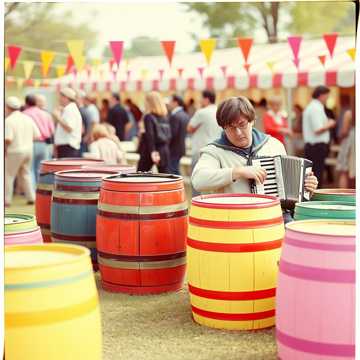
<point x="140" y="233"/>
<point x="45" y="187"/>
<point x="315" y="299"/>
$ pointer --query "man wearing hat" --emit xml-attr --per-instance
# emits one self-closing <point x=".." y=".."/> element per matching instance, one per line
<point x="69" y="124"/>
<point x="20" y="133"/>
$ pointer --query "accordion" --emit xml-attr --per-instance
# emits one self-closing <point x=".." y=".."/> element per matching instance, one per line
<point x="285" y="178"/>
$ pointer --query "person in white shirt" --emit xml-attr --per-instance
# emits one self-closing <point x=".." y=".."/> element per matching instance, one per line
<point x="93" y="115"/>
<point x="316" y="126"/>
<point x="69" y="124"/>
<point x="20" y="133"/>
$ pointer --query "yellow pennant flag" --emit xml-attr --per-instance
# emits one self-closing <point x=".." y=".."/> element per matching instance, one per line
<point x="28" y="68"/>
<point x="6" y="63"/>
<point x="351" y="53"/>
<point x="207" y="47"/>
<point x="144" y="74"/>
<point x="60" y="70"/>
<point x="36" y="83"/>
<point x="270" y="65"/>
<point x="76" y="49"/>
<point x="47" y="58"/>
<point x="79" y="63"/>
<point x="20" y="82"/>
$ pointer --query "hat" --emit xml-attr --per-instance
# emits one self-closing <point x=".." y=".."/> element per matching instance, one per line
<point x="69" y="93"/>
<point x="13" y="103"/>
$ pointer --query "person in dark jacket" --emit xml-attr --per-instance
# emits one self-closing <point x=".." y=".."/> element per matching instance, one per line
<point x="155" y="135"/>
<point x="178" y="123"/>
<point x="118" y="117"/>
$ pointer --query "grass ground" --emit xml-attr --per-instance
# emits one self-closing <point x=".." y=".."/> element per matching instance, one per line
<point x="160" y="327"/>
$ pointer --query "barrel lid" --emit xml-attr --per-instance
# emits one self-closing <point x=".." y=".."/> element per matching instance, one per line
<point x="235" y="201"/>
<point x="51" y="166"/>
<point x="42" y="255"/>
<point x="327" y="205"/>
<point x="84" y="174"/>
<point x="349" y="192"/>
<point x="323" y="227"/>
<point x="107" y="167"/>
<point x="17" y="218"/>
<point x="19" y="223"/>
<point x="143" y="182"/>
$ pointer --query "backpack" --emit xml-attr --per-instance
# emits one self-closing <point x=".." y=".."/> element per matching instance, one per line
<point x="162" y="130"/>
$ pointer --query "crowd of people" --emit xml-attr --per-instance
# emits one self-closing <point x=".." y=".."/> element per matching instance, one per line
<point x="78" y="127"/>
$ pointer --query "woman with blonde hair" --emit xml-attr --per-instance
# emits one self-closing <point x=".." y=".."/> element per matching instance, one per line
<point x="155" y="139"/>
<point x="105" y="147"/>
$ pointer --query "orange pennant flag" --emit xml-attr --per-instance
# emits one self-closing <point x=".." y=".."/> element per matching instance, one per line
<point x="47" y="58"/>
<point x="351" y="52"/>
<point x="207" y="47"/>
<point x="169" y="47"/>
<point x="6" y="63"/>
<point x="322" y="59"/>
<point x="60" y="70"/>
<point x="28" y="68"/>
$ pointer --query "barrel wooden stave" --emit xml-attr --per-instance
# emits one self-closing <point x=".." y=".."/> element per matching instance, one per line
<point x="27" y="237"/>
<point x="342" y="195"/>
<point x="70" y="324"/>
<point x="315" y="317"/>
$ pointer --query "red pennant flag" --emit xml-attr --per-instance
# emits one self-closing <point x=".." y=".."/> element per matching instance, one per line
<point x="245" y="45"/>
<point x="111" y="64"/>
<point x="322" y="59"/>
<point x="224" y="69"/>
<point x="201" y="71"/>
<point x="295" y="42"/>
<point x="169" y="47"/>
<point x="247" y="67"/>
<point x="180" y="71"/>
<point x="14" y="53"/>
<point x="330" y="40"/>
<point x="69" y="64"/>
<point x="117" y="48"/>
<point x="161" y="73"/>
<point x="296" y="62"/>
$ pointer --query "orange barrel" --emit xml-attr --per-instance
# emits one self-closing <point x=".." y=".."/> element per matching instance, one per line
<point x="51" y="303"/>
<point x="233" y="248"/>
<point x="45" y="186"/>
<point x="141" y="228"/>
<point x="73" y="207"/>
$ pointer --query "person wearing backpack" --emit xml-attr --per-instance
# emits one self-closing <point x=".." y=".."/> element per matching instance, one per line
<point x="156" y="135"/>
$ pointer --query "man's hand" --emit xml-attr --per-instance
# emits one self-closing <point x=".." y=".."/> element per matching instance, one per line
<point x="250" y="172"/>
<point x="311" y="183"/>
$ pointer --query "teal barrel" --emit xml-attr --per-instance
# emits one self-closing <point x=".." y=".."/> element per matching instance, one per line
<point x="73" y="208"/>
<point x="325" y="210"/>
<point x="341" y="195"/>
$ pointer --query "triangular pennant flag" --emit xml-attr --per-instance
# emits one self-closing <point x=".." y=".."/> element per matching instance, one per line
<point x="76" y="49"/>
<point x="224" y="69"/>
<point x="351" y="53"/>
<point x="330" y="40"/>
<point x="295" y="42"/>
<point x="296" y="62"/>
<point x="20" y="82"/>
<point x="14" y="53"/>
<point x="117" y="48"/>
<point x="180" y="71"/>
<point x="6" y="63"/>
<point x="47" y="58"/>
<point x="201" y="71"/>
<point x="270" y="65"/>
<point x="28" y="68"/>
<point x="161" y="73"/>
<point x="111" y="65"/>
<point x="169" y="47"/>
<point x="80" y="63"/>
<point x="247" y="67"/>
<point x="60" y="70"/>
<point x="69" y="64"/>
<point x="207" y="47"/>
<point x="245" y="45"/>
<point x="322" y="59"/>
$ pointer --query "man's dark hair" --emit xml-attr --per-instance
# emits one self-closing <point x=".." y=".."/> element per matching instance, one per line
<point x="116" y="96"/>
<point x="320" y="90"/>
<point x="179" y="100"/>
<point x="209" y="94"/>
<point x="231" y="109"/>
<point x="30" y="100"/>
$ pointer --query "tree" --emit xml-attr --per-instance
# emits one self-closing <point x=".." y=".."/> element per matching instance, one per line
<point x="43" y="26"/>
<point x="144" y="46"/>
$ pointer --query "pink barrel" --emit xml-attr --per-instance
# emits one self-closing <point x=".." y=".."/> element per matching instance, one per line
<point x="20" y="229"/>
<point x="315" y="298"/>
<point x="21" y="238"/>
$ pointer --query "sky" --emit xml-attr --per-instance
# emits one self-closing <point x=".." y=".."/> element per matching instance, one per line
<point x="125" y="21"/>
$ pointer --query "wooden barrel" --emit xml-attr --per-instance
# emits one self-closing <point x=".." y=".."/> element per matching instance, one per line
<point x="51" y="303"/>
<point x="315" y="299"/>
<point x="45" y="186"/>
<point x="21" y="229"/>
<point x="141" y="232"/>
<point x="342" y="195"/>
<point x="123" y="169"/>
<point x="233" y="248"/>
<point x="325" y="210"/>
<point x="73" y="208"/>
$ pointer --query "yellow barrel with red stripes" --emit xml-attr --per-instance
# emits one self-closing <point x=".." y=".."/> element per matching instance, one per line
<point x="233" y="246"/>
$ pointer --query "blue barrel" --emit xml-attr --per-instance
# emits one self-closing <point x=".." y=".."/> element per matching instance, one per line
<point x="73" y="208"/>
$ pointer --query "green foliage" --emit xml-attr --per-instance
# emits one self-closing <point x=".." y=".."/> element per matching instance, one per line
<point x="43" y="26"/>
<point x="144" y="46"/>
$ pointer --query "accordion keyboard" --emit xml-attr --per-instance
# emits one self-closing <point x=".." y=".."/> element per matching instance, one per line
<point x="270" y="185"/>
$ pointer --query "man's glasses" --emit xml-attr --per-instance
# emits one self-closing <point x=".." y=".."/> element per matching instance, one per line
<point x="243" y="126"/>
